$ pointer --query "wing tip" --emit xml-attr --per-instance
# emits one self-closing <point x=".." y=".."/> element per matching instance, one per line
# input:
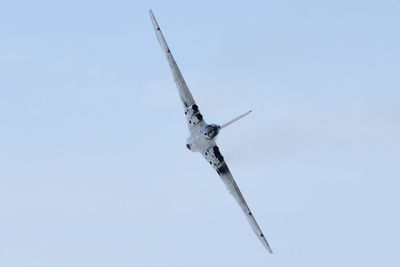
<point x="265" y="243"/>
<point x="153" y="20"/>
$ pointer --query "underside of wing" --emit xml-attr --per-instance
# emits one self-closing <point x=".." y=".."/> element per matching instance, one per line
<point x="214" y="157"/>
<point x="193" y="116"/>
<point x="184" y="93"/>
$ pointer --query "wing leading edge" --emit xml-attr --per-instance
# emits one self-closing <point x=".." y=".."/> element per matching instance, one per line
<point x="222" y="169"/>
<point x="184" y="93"/>
<point x="230" y="183"/>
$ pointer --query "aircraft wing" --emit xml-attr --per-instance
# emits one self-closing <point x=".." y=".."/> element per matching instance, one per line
<point x="214" y="157"/>
<point x="184" y="93"/>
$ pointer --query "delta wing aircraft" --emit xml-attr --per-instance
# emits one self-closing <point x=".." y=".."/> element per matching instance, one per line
<point x="202" y="135"/>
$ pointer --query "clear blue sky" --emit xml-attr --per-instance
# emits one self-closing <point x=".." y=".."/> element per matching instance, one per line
<point x="93" y="165"/>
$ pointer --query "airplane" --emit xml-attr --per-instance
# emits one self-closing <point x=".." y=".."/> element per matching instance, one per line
<point x="203" y="135"/>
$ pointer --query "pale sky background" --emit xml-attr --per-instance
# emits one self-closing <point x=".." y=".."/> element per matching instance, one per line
<point x="93" y="165"/>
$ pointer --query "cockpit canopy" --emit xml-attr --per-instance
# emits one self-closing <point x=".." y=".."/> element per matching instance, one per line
<point x="211" y="130"/>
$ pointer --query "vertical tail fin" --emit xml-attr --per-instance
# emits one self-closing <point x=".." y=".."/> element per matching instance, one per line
<point x="235" y="119"/>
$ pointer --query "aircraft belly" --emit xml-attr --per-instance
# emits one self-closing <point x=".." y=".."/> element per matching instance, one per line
<point x="200" y="142"/>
